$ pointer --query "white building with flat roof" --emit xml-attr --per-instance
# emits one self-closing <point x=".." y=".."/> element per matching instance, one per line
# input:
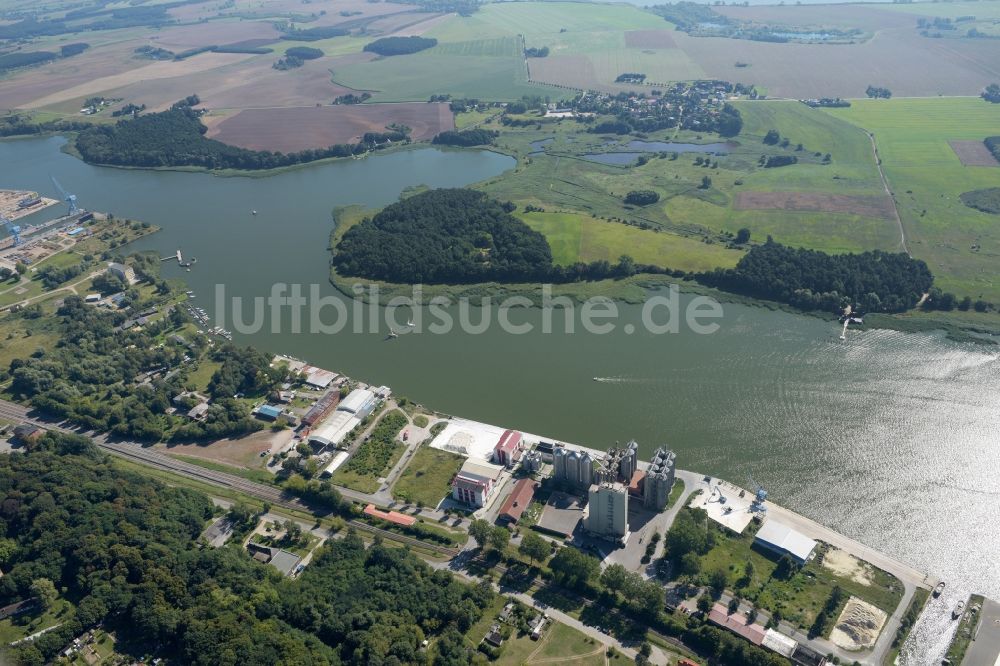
<point x="783" y="540"/>
<point x="359" y="402"/>
<point x="333" y="430"/>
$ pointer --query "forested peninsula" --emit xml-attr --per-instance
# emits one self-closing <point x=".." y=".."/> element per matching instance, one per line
<point x="176" y="138"/>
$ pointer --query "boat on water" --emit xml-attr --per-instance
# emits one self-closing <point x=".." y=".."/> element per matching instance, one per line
<point x="938" y="589"/>
<point x="957" y="613"/>
<point x="253" y="212"/>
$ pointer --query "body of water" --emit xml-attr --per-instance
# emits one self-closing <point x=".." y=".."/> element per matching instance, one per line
<point x="669" y="146"/>
<point x="890" y="438"/>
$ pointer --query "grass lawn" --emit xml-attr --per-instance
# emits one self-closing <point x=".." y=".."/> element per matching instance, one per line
<point x="20" y="337"/>
<point x="802" y="596"/>
<point x="426" y="479"/>
<point x="575" y="237"/>
<point x="562" y="641"/>
<point x="17" y="627"/>
<point x="260" y="476"/>
<point x="469" y="118"/>
<point x="202" y="374"/>
<point x="965" y="632"/>
<point x="675" y="492"/>
<point x="959" y="244"/>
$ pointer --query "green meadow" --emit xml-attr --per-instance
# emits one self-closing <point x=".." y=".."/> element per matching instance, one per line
<point x="960" y="244"/>
<point x="575" y="237"/>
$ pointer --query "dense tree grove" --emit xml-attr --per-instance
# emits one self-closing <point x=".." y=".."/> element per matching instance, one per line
<point x="987" y="200"/>
<point x="304" y="52"/>
<point x="465" y="138"/>
<point x="177" y="138"/>
<point x="444" y="236"/>
<point x="876" y="281"/>
<point x="97" y="18"/>
<point x="878" y="93"/>
<point x="641" y="197"/>
<point x="122" y="547"/>
<point x="315" y="34"/>
<point x="393" y="46"/>
<point x="17" y="59"/>
<point x="992" y="93"/>
<point x="103" y="377"/>
<point x="993" y="143"/>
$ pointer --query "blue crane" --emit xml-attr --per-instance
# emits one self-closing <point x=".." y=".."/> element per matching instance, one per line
<point x="66" y="196"/>
<point x="760" y="496"/>
<point x="14" y="230"/>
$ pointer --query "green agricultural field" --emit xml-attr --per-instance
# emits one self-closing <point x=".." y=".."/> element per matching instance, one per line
<point x="416" y="77"/>
<point x="559" y="179"/>
<point x="961" y="245"/>
<point x="576" y="238"/>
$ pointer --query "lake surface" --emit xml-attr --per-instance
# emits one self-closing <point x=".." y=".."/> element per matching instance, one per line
<point x="887" y="437"/>
<point x="658" y="146"/>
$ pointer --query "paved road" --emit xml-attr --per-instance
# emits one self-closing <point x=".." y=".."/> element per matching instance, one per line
<point x="277" y="497"/>
<point x="985" y="649"/>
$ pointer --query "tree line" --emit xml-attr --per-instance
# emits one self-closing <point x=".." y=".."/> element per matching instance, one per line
<point x="122" y="547"/>
<point x="465" y="138"/>
<point x="393" y="46"/>
<point x="176" y="137"/>
<point x="875" y="281"/>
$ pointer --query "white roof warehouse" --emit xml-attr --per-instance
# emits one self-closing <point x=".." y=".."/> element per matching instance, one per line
<point x="783" y="540"/>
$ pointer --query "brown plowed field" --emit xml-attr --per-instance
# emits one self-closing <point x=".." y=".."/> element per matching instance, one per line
<point x="650" y="39"/>
<point x="293" y="129"/>
<point x="973" y="153"/>
<point x="877" y="206"/>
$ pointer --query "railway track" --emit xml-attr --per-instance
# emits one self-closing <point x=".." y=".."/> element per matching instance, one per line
<point x="135" y="452"/>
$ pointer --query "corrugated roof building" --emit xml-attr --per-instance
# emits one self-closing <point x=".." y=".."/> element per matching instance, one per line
<point x="783" y="540"/>
<point x="519" y="500"/>
<point x="736" y="623"/>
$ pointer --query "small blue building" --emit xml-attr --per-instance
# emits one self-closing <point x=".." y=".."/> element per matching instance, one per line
<point x="268" y="412"/>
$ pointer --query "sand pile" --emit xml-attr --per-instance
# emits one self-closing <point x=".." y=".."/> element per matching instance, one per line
<point x="858" y="626"/>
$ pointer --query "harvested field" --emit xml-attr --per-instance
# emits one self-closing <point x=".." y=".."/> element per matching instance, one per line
<point x="858" y="626"/>
<point x="212" y="33"/>
<point x="154" y="71"/>
<point x="878" y="206"/>
<point x="973" y="153"/>
<point x="247" y="84"/>
<point x="418" y="25"/>
<point x="23" y="87"/>
<point x="575" y="71"/>
<point x="295" y="129"/>
<point x="250" y="44"/>
<point x="910" y="65"/>
<point x="650" y="39"/>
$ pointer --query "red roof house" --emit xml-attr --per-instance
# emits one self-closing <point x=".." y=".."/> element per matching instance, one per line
<point x="518" y="501"/>
<point x="737" y="623"/>
<point x="508" y="449"/>
<point x="390" y="516"/>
